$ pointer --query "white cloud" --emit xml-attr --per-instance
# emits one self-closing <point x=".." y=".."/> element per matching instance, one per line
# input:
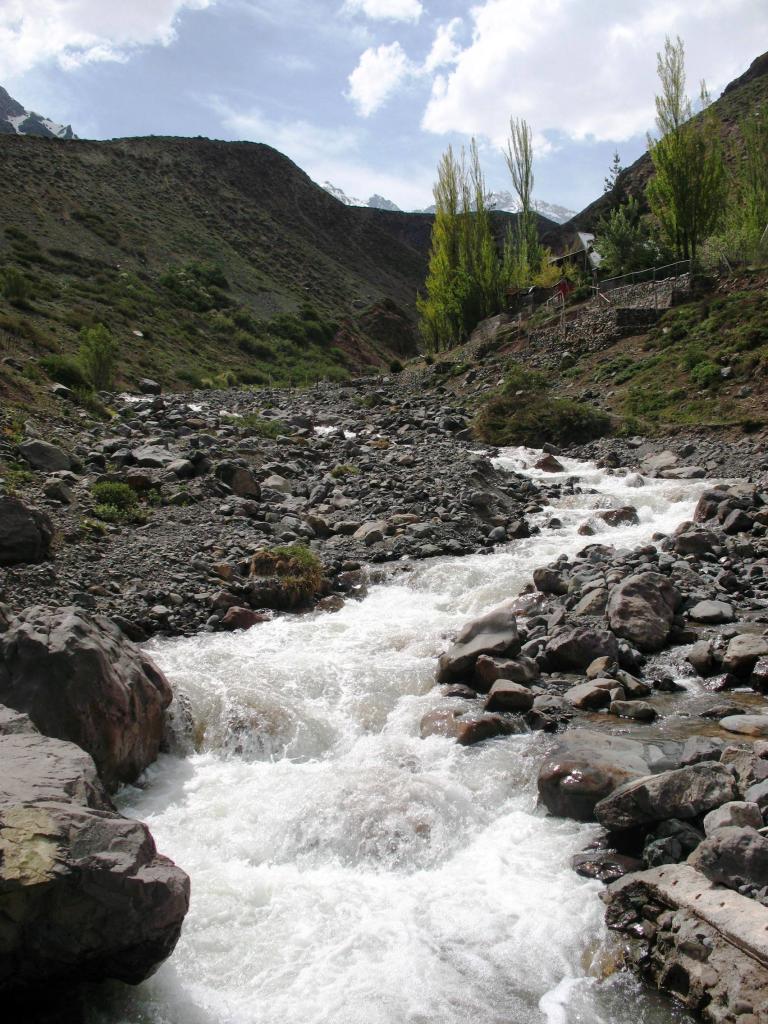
<point x="386" y="10"/>
<point x="76" y="32"/>
<point x="379" y="73"/>
<point x="328" y="154"/>
<point x="585" y="70"/>
<point x="445" y="48"/>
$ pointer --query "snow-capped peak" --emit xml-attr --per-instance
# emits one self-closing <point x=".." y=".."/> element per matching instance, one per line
<point x="376" y="202"/>
<point x="16" y="120"/>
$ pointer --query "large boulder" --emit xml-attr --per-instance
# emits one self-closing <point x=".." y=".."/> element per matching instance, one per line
<point x="494" y="633"/>
<point x="25" y="533"/>
<point x="743" y="653"/>
<point x="681" y="793"/>
<point x="584" y="768"/>
<point x="84" y="895"/>
<point x="733" y="857"/>
<point x="641" y="609"/>
<point x="79" y="679"/>
<point x="44" y="455"/>
<point x="578" y="648"/>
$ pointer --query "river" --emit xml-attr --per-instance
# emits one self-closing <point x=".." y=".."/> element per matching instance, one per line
<point x="344" y="871"/>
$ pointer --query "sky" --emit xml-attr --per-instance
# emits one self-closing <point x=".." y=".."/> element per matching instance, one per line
<point x="368" y="93"/>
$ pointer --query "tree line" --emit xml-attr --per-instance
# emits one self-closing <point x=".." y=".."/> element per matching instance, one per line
<point x="696" y="205"/>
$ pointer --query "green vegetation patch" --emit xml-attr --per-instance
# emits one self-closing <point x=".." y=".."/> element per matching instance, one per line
<point x="524" y="413"/>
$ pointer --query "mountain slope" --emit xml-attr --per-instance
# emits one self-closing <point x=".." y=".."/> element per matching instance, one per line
<point x="16" y="120"/>
<point x="739" y="98"/>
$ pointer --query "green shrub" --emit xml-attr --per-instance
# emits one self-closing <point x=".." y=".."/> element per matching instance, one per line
<point x="395" y="366"/>
<point x="99" y="353"/>
<point x="261" y="426"/>
<point x="523" y="413"/>
<point x="120" y="495"/>
<point x="65" y="370"/>
<point x="16" y="287"/>
<point x="344" y="469"/>
<point x="706" y="374"/>
<point x="119" y="516"/>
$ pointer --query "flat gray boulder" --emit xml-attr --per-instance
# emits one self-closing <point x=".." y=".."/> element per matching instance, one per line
<point x="494" y="633"/>
<point x="44" y="455"/>
<point x="641" y="609"/>
<point x="681" y="793"/>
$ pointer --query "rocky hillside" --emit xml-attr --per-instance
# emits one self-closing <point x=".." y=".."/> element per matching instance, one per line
<point x="16" y="120"/>
<point x="741" y="96"/>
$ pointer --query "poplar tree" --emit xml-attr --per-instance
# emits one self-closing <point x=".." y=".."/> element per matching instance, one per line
<point x="753" y="185"/>
<point x="441" y="311"/>
<point x="480" y="258"/>
<point x="522" y="256"/>
<point x="688" y="190"/>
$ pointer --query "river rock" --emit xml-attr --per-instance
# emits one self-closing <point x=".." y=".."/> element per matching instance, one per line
<point x="641" y="609"/>
<point x="746" y="725"/>
<point x="584" y="768"/>
<point x="80" y="679"/>
<point x="712" y="612"/>
<point x="592" y="695"/>
<point x="494" y="633"/>
<point x="733" y="857"/>
<point x="734" y="814"/>
<point x="519" y="670"/>
<point x="702" y="658"/>
<point x="25" y="532"/>
<point x="506" y="695"/>
<point x="578" y="648"/>
<point x="637" y="710"/>
<point x="680" y="793"/>
<point x="624" y="516"/>
<point x="84" y="895"/>
<point x="549" y="464"/>
<point x="743" y="653"/>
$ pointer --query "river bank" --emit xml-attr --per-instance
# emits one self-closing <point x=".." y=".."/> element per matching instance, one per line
<point x="334" y="842"/>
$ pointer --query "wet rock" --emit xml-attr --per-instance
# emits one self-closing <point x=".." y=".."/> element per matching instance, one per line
<point x="25" y="533"/>
<point x="626" y="515"/>
<point x="681" y="793"/>
<point x="743" y="653"/>
<point x="584" y="768"/>
<point x="733" y="857"/>
<point x="242" y="618"/>
<point x="506" y="695"/>
<point x="494" y="633"/>
<point x="746" y="725"/>
<point x="638" y="710"/>
<point x="641" y="609"/>
<point x="518" y="670"/>
<point x="700" y="748"/>
<point x="578" y="648"/>
<point x="549" y="581"/>
<point x="79" y="679"/>
<point x="549" y="464"/>
<point x="712" y="612"/>
<point x="592" y="695"/>
<point x="702" y="657"/>
<point x="604" y="865"/>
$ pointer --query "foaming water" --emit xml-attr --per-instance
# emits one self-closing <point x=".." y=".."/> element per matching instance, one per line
<point x="345" y="871"/>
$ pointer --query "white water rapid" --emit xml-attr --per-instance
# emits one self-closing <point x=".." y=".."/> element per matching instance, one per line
<point x="344" y="871"/>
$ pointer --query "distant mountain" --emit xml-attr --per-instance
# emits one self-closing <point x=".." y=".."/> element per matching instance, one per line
<point x="506" y="202"/>
<point x="16" y="120"/>
<point x="374" y="202"/>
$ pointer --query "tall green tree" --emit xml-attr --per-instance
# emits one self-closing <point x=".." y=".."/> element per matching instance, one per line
<point x="480" y="256"/>
<point x="623" y="240"/>
<point x="442" y="309"/>
<point x="688" y="190"/>
<point x="99" y="354"/>
<point x="522" y="257"/>
<point x="753" y="190"/>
